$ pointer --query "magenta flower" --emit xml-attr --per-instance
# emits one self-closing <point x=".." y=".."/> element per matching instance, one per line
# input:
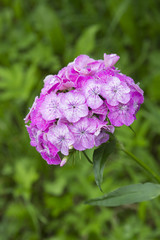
<point x="105" y="75"/>
<point x="122" y="114"/>
<point x="101" y="138"/>
<point x="33" y="134"/>
<point x="95" y="66"/>
<point x="81" y="81"/>
<point x="83" y="132"/>
<point x="51" y="160"/>
<point x="115" y="92"/>
<point x="138" y="89"/>
<point x="47" y="150"/>
<point x="137" y="99"/>
<point x="36" y="116"/>
<point x="71" y="74"/>
<point x="61" y="137"/>
<point x="110" y="59"/>
<point x="81" y="62"/>
<point x="50" y="83"/>
<point x="101" y="112"/>
<point x="103" y="125"/>
<point x="92" y="92"/>
<point x="50" y="107"/>
<point x="28" y="117"/>
<point x="74" y="106"/>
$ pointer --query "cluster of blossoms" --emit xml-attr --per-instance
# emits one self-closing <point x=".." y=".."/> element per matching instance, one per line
<point x="80" y="106"/>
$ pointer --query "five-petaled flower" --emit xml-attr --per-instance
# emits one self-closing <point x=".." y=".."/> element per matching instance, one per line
<point x="74" y="106"/>
<point x="83" y="131"/>
<point x="61" y="137"/>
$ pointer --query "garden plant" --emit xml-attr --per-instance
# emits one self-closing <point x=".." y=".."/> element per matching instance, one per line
<point x="99" y="188"/>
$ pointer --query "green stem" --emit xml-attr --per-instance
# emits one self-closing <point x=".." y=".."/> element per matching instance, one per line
<point x="143" y="165"/>
<point x="89" y="160"/>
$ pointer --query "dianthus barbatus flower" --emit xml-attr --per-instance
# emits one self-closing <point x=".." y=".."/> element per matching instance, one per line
<point x="83" y="131"/>
<point x="115" y="91"/>
<point x="92" y="93"/>
<point x="61" y="137"/>
<point x="74" y="106"/>
<point x="50" y="109"/>
<point x="80" y="107"/>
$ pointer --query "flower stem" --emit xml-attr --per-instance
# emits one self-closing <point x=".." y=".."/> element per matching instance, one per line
<point x="89" y="160"/>
<point x="143" y="165"/>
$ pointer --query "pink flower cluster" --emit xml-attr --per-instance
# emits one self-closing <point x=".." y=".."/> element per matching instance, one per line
<point x="80" y="106"/>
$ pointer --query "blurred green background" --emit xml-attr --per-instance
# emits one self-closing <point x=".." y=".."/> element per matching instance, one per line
<point x="37" y="38"/>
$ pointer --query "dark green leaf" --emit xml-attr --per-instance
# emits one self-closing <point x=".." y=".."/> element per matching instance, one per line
<point x="128" y="195"/>
<point x="99" y="159"/>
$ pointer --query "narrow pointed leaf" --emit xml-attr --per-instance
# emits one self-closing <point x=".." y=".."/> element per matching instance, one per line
<point x="127" y="195"/>
<point x="100" y="156"/>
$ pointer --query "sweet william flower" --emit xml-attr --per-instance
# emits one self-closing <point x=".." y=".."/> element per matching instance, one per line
<point x="60" y="136"/>
<point x="50" y="83"/>
<point x="74" y="106"/>
<point x="102" y="137"/>
<point x="95" y="66"/>
<point x="83" y="132"/>
<point x="81" y="81"/>
<point x="115" y="92"/>
<point x="33" y="134"/>
<point x="47" y="150"/>
<point x="103" y="126"/>
<point x="50" y="109"/>
<point x="36" y="116"/>
<point x="28" y="117"/>
<point x="110" y="59"/>
<point x="92" y="92"/>
<point x="81" y="64"/>
<point x="137" y="99"/>
<point x="101" y="112"/>
<point x="122" y="114"/>
<point x="51" y="160"/>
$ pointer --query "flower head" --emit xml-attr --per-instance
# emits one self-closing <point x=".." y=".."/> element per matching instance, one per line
<point x="80" y="107"/>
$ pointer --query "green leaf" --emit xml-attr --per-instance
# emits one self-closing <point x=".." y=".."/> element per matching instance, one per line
<point x="100" y="156"/>
<point x="86" y="42"/>
<point x="16" y="82"/>
<point x="127" y="195"/>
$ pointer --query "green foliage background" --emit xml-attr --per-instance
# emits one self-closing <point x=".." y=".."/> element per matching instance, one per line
<point x="37" y="38"/>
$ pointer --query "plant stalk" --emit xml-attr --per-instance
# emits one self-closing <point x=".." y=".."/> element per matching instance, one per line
<point x="142" y="164"/>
